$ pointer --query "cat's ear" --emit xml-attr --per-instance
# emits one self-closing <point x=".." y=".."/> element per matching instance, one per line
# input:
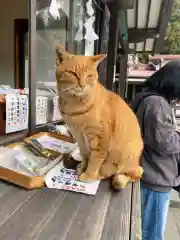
<point x="98" y="58"/>
<point x="61" y="55"/>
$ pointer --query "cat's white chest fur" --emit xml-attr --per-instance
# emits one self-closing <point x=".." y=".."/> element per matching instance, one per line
<point x="80" y="137"/>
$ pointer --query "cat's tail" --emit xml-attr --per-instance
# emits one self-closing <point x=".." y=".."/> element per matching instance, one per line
<point x="120" y="181"/>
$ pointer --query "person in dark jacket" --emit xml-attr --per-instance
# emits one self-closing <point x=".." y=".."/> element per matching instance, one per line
<point x="161" y="154"/>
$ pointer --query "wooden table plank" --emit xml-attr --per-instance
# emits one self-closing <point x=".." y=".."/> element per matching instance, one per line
<point x="89" y="221"/>
<point x="172" y="228"/>
<point x="135" y="224"/>
<point x="59" y="215"/>
<point x="117" y="222"/>
<point x="25" y="222"/>
<point x="177" y="219"/>
<point x="11" y="200"/>
<point x="4" y="188"/>
<point x="57" y="226"/>
<point x="63" y="222"/>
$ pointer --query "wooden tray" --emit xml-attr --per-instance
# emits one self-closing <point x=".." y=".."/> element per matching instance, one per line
<point x="25" y="181"/>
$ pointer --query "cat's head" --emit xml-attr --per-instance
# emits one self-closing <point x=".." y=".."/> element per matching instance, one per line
<point x="76" y="75"/>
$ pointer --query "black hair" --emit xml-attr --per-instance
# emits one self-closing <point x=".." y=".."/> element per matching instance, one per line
<point x="166" y="81"/>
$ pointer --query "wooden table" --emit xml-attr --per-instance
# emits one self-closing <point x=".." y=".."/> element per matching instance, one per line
<point x="49" y="214"/>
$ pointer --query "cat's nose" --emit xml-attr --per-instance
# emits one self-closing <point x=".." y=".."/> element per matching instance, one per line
<point x="82" y="85"/>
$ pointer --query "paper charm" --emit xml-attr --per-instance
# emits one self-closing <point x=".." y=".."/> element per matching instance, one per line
<point x="46" y="17"/>
<point x="90" y="33"/>
<point x="89" y="48"/>
<point x="89" y="8"/>
<point x="60" y="4"/>
<point x="79" y="34"/>
<point x="54" y="9"/>
<point x="37" y="12"/>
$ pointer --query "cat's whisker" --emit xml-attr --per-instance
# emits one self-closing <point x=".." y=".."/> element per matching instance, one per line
<point x="66" y="89"/>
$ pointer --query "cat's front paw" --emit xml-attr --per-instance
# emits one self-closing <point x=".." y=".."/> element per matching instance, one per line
<point x="79" y="169"/>
<point x="84" y="177"/>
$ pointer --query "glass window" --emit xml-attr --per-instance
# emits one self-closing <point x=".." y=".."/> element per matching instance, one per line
<point x="61" y="22"/>
<point x="14" y="24"/>
<point x="51" y="30"/>
<point x="58" y="22"/>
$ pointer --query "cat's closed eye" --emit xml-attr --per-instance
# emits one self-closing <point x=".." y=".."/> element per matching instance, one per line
<point x="73" y="74"/>
<point x="90" y="76"/>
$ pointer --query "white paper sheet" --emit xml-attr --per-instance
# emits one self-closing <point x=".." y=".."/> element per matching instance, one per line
<point x="16" y="112"/>
<point x="41" y="110"/>
<point x="66" y="179"/>
<point x="56" y="144"/>
<point x="56" y="112"/>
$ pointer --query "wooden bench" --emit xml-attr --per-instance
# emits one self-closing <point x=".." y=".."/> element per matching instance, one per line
<point x="49" y="214"/>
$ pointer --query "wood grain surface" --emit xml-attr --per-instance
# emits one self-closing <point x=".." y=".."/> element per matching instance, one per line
<point x="49" y="214"/>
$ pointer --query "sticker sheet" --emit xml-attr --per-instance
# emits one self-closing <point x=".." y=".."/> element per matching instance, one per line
<point x="56" y="112"/>
<point x="41" y="110"/>
<point x="16" y="112"/>
<point x="66" y="179"/>
<point x="56" y="144"/>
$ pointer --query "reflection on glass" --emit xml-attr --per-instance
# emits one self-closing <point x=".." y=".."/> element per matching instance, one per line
<point x="26" y="60"/>
<point x="57" y="22"/>
<point x="78" y="20"/>
<point x="51" y="30"/>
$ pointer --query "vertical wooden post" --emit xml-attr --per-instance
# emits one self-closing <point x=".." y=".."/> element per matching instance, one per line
<point x="32" y="66"/>
<point x="103" y="39"/>
<point x="123" y="74"/>
<point x="112" y="44"/>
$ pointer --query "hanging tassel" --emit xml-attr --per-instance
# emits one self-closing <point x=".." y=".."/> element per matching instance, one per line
<point x="79" y="34"/>
<point x="46" y="17"/>
<point x="89" y="8"/>
<point x="54" y="9"/>
<point x="90" y="33"/>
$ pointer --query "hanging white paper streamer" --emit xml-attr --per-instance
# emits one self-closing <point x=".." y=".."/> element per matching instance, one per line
<point x="90" y="33"/>
<point x="46" y="17"/>
<point x="79" y="34"/>
<point x="89" y="48"/>
<point x="53" y="9"/>
<point x="89" y="8"/>
<point x="37" y="12"/>
<point x="60" y="4"/>
<point x="78" y="21"/>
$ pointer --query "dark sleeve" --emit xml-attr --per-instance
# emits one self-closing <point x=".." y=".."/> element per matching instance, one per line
<point x="159" y="127"/>
<point x="177" y="189"/>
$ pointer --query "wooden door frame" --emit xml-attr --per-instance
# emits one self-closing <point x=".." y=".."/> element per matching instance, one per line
<point x="20" y="28"/>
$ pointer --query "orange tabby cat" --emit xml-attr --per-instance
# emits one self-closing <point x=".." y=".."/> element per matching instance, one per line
<point x="104" y="126"/>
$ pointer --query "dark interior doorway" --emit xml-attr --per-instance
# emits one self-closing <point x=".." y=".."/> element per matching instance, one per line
<point x="20" y="51"/>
